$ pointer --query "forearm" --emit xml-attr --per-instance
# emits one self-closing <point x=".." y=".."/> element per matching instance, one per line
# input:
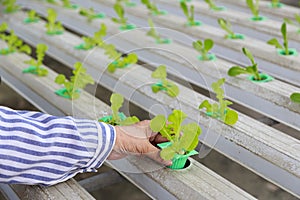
<point x="37" y="148"/>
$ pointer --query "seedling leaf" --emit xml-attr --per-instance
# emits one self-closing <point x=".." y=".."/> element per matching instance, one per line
<point x="220" y="110"/>
<point x="183" y="138"/>
<point x="170" y="87"/>
<point x="189" y="140"/>
<point x="78" y="81"/>
<point x="275" y="43"/>
<point x="231" y="117"/>
<point x="157" y="123"/>
<point x="295" y="97"/>
<point x="160" y="72"/>
<point x="208" y="44"/>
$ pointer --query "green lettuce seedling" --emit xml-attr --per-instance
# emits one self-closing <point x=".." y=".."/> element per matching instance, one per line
<point x="110" y="51"/>
<point x="119" y="61"/>
<point x="127" y="2"/>
<point x="226" y="26"/>
<point x="78" y="81"/>
<point x="52" y="1"/>
<point x="295" y="97"/>
<point x="90" y="14"/>
<point x="10" y="6"/>
<point x="96" y="40"/>
<point x="35" y="65"/>
<point x="171" y="88"/>
<point x="152" y="7"/>
<point x="252" y="69"/>
<point x="53" y="27"/>
<point x="284" y="49"/>
<point x="121" y="14"/>
<point x="122" y="62"/>
<point x="189" y="13"/>
<point x="276" y="4"/>
<point x="117" y="101"/>
<point x="122" y="19"/>
<point x="183" y="138"/>
<point x="203" y="48"/>
<point x="32" y="17"/>
<point x="154" y="34"/>
<point x="220" y="110"/>
<point x="213" y="6"/>
<point x="12" y="41"/>
<point x="297" y="23"/>
<point x="68" y="4"/>
<point x="254" y="7"/>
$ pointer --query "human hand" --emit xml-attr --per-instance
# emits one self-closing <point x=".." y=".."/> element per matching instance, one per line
<point x="137" y="139"/>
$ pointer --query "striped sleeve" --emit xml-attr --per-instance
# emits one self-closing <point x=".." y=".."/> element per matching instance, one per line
<point x="37" y="148"/>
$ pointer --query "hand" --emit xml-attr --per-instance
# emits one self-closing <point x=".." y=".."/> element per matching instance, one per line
<point x="137" y="139"/>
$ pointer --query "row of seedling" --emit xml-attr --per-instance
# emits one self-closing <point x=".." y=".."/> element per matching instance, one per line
<point x="183" y="138"/>
<point x="202" y="47"/>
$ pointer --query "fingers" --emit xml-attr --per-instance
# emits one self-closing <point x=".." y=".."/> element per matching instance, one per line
<point x="154" y="154"/>
<point x="158" y="139"/>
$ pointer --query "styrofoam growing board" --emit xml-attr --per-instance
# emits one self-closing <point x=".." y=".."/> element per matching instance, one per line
<point x="205" y="184"/>
<point x="270" y="92"/>
<point x="258" y="48"/>
<point x="244" y="135"/>
<point x="269" y="26"/>
<point x="286" y="11"/>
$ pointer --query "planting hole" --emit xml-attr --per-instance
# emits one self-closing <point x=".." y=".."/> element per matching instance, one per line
<point x="236" y="36"/>
<point x="292" y="52"/>
<point x="258" y="18"/>
<point x="264" y="78"/>
<point x="211" y="57"/>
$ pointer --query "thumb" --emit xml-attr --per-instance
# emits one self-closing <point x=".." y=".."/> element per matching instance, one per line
<point x="154" y="154"/>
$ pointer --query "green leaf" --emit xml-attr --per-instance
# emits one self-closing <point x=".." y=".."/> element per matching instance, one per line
<point x="158" y="123"/>
<point x="60" y="79"/>
<point x="198" y="45"/>
<point x="295" y="97"/>
<point x="225" y="25"/>
<point x="231" y="117"/>
<point x="184" y="8"/>
<point x="192" y="15"/>
<point x="175" y="119"/>
<point x="129" y="121"/>
<point x="116" y="103"/>
<point x="51" y="15"/>
<point x="189" y="140"/>
<point x="131" y="58"/>
<point x="236" y="70"/>
<point x="160" y="72"/>
<point x="42" y="72"/>
<point x="25" y="49"/>
<point x="297" y="17"/>
<point x="249" y="55"/>
<point x="275" y="43"/>
<point x="120" y="12"/>
<point x="3" y="27"/>
<point x="155" y="88"/>
<point x="207" y="105"/>
<point x="208" y="44"/>
<point x="285" y="40"/>
<point x="172" y="89"/>
<point x="167" y="153"/>
<point x="253" y="8"/>
<point x="40" y="51"/>
<point x="31" y="62"/>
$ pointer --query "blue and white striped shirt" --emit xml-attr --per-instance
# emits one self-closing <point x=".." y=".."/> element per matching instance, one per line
<point x="37" y="148"/>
